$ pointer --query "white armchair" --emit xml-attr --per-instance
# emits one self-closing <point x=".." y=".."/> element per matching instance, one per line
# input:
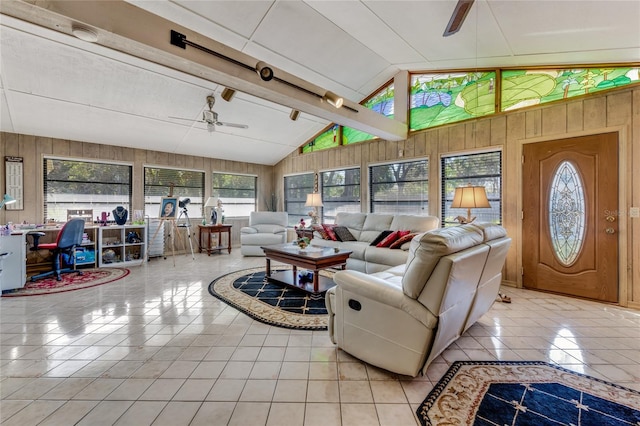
<point x="402" y="318"/>
<point x="265" y="228"/>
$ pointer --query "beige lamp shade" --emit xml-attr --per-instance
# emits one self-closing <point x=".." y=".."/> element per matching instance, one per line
<point x="470" y="197"/>
<point x="313" y="200"/>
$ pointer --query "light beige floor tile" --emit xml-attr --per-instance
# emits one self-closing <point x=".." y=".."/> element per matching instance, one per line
<point x="70" y="413"/>
<point x="179" y="370"/>
<point x="36" y="388"/>
<point x="226" y="390"/>
<point x="33" y="413"/>
<point x="323" y="391"/>
<point x="162" y="390"/>
<point x="359" y="414"/>
<point x="352" y="371"/>
<point x="294" y="370"/>
<point x="98" y="389"/>
<point x="291" y="391"/>
<point x="247" y="353"/>
<point x="395" y="415"/>
<point x="297" y="354"/>
<point x="68" y="388"/>
<point x="386" y="391"/>
<point x="177" y="414"/>
<point x="208" y="411"/>
<point x="323" y="371"/>
<point x="11" y="407"/>
<point x="286" y="414"/>
<point x="352" y="391"/>
<point x="130" y="390"/>
<point x="237" y="370"/>
<point x="141" y="413"/>
<point x="258" y="390"/>
<point x="194" y="390"/>
<point x="250" y="413"/>
<point x="265" y="370"/>
<point x="208" y="370"/>
<point x="105" y="413"/>
<point x="317" y="414"/>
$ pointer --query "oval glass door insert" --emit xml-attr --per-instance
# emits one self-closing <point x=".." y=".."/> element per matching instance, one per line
<point x="567" y="214"/>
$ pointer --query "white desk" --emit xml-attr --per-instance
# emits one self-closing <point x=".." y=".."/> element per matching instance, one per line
<point x="13" y="256"/>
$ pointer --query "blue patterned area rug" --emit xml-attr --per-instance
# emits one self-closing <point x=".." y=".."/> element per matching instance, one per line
<point x="528" y="393"/>
<point x="271" y="303"/>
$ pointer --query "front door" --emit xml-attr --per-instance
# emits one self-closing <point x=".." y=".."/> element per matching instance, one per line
<point x="570" y="216"/>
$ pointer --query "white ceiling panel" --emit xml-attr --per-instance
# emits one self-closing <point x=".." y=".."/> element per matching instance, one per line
<point x="58" y="86"/>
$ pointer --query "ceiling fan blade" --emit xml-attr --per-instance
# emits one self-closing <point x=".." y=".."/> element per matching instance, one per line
<point x="458" y="17"/>
<point x="239" y="126"/>
<point x="183" y="118"/>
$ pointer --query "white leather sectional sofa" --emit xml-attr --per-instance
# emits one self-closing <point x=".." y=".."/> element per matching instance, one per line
<point x="265" y="229"/>
<point x="401" y="319"/>
<point x="365" y="227"/>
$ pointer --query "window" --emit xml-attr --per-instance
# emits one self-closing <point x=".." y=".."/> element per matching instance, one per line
<point x="237" y="193"/>
<point x="296" y="189"/>
<point x="70" y="184"/>
<point x="186" y="184"/>
<point x="400" y="188"/>
<point x="478" y="169"/>
<point x="340" y="193"/>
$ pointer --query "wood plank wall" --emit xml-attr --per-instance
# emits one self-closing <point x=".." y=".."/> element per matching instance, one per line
<point x="33" y="149"/>
<point x="617" y="110"/>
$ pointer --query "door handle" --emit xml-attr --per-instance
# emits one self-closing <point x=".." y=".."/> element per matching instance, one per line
<point x="610" y="231"/>
<point x="611" y="218"/>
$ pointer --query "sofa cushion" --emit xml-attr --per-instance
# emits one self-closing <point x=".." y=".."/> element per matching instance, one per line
<point x="320" y="230"/>
<point x="328" y="228"/>
<point x="397" y="244"/>
<point x="353" y="221"/>
<point x="426" y="250"/>
<point x="414" y="223"/>
<point x="268" y="228"/>
<point x="381" y="236"/>
<point x="343" y="234"/>
<point x="491" y="231"/>
<point x="389" y="239"/>
<point x="383" y="256"/>
<point x="373" y="225"/>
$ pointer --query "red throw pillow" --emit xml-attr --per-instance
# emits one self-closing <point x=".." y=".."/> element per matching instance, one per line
<point x="328" y="228"/>
<point x="397" y="244"/>
<point x="388" y="240"/>
<point x="320" y="230"/>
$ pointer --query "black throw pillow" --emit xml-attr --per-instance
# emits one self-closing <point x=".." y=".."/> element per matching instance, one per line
<point x="380" y="237"/>
<point x="343" y="233"/>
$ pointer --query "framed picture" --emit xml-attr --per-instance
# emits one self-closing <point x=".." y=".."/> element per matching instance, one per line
<point x="168" y="207"/>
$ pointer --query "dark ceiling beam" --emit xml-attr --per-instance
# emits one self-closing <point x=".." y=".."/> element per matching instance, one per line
<point x="126" y="28"/>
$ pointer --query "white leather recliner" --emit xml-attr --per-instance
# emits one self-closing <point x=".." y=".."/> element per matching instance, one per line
<point x="265" y="229"/>
<point x="402" y="318"/>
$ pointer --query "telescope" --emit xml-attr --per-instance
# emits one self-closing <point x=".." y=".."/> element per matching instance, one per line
<point x="183" y="203"/>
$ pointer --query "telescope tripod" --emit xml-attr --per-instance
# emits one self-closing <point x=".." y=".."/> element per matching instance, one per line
<point x="186" y="224"/>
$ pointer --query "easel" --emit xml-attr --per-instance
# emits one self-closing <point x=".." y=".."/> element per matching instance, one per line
<point x="174" y="229"/>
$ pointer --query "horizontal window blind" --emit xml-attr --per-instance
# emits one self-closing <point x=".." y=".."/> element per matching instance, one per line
<point x="400" y="188"/>
<point x="296" y="188"/>
<point x="477" y="169"/>
<point x="237" y="193"/>
<point x="84" y="185"/>
<point x="340" y="193"/>
<point x="186" y="184"/>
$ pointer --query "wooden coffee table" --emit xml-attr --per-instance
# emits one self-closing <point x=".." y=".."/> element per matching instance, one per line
<point x="313" y="258"/>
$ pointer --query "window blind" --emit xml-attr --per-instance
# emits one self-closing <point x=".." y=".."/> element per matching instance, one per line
<point x="400" y="188"/>
<point x="186" y="184"/>
<point x="340" y="193"/>
<point x="296" y="189"/>
<point x="237" y="193"/>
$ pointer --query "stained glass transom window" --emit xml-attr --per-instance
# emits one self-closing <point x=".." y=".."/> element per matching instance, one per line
<point x="567" y="213"/>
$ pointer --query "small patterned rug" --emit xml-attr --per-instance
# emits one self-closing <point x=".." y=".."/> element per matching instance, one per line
<point x="526" y="393"/>
<point x="72" y="281"/>
<point x="269" y="302"/>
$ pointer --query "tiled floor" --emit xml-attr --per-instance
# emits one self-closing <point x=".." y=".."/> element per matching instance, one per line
<point x="156" y="348"/>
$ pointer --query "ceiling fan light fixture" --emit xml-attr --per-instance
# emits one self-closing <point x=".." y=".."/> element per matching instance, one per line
<point x="84" y="33"/>
<point x="264" y="71"/>
<point x="457" y="17"/>
<point x="211" y="127"/>
<point x="228" y="94"/>
<point x="333" y="99"/>
<point x="294" y="114"/>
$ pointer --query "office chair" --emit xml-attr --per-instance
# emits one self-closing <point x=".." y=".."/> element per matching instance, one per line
<point x="69" y="237"/>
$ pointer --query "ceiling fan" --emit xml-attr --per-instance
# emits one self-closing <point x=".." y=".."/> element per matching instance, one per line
<point x="211" y="117"/>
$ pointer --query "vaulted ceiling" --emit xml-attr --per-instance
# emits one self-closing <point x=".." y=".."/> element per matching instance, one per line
<point x="127" y="88"/>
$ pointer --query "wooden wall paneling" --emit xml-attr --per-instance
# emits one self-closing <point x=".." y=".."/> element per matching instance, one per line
<point x="533" y="123"/>
<point x="498" y="134"/>
<point x="391" y="150"/>
<point x="595" y="112"/>
<point x="420" y="145"/>
<point x="75" y="149"/>
<point x="382" y="151"/>
<point x="91" y="150"/>
<point x="60" y="147"/>
<point x="619" y="109"/>
<point x="109" y="152"/>
<point x="575" y="116"/>
<point x="483" y="133"/>
<point x="470" y="135"/>
<point x="457" y="137"/>
<point x="410" y="147"/>
<point x="554" y="119"/>
<point x="443" y="140"/>
<point x="515" y="131"/>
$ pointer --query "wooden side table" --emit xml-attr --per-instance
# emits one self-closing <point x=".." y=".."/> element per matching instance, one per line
<point x="305" y="232"/>
<point x="215" y="229"/>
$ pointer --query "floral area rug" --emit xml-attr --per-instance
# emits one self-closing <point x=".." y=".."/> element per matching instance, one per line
<point x="269" y="302"/>
<point x="72" y="281"/>
<point x="526" y="393"/>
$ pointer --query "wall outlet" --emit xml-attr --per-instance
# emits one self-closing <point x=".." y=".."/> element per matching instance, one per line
<point x="634" y="212"/>
<point x="400" y="152"/>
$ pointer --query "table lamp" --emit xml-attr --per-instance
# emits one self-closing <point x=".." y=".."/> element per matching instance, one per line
<point x="469" y="197"/>
<point x="314" y="200"/>
<point x="212" y="202"/>
<point x="7" y="199"/>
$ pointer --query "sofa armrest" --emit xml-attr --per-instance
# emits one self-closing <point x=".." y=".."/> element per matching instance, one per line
<point x="269" y="228"/>
<point x="381" y="291"/>
<point x="248" y="230"/>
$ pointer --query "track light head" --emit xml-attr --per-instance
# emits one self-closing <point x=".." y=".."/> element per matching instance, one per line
<point x="264" y="71"/>
<point x="333" y="99"/>
<point x="294" y="114"/>
<point x="84" y="33"/>
<point x="228" y="94"/>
